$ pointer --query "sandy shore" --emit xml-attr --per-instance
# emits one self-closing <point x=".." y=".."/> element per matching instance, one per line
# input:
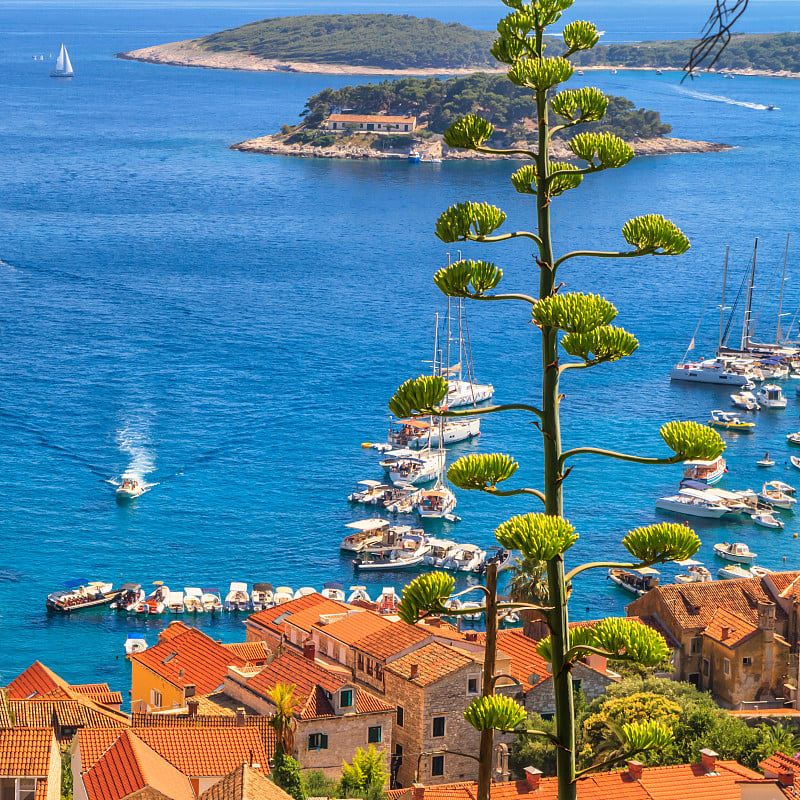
<point x="188" y="54"/>
<point x="275" y="145"/>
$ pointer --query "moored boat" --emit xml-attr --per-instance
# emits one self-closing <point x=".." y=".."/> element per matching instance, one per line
<point x="193" y="599"/>
<point x="211" y="600"/>
<point x="772" y="494"/>
<point x="130" y="594"/>
<point x="737" y="552"/>
<point x="283" y="594"/>
<point x="745" y="400"/>
<point x="80" y="594"/>
<point x="238" y="598"/>
<point x="423" y="433"/>
<point x="135" y="643"/>
<point x="696" y="572"/>
<point x="368" y="492"/>
<point x="333" y="591"/>
<point x="733" y="571"/>
<point x="387" y="601"/>
<point x="359" y="594"/>
<point x="638" y="581"/>
<point x="156" y="601"/>
<point x="708" y="472"/>
<point x="730" y="422"/>
<point x="262" y="596"/>
<point x="435" y="503"/>
<point x="413" y="466"/>
<point x="713" y="370"/>
<point x="793" y="438"/>
<point x="771" y="396"/>
<point x="366" y="533"/>
<point x="794" y="461"/>
<point x="759" y="572"/>
<point x="767" y="520"/>
<point x="465" y="558"/>
<point x="691" y="502"/>
<point x="175" y="603"/>
<point x="304" y="591"/>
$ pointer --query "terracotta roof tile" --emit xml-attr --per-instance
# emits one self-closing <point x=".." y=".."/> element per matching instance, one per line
<point x="190" y="658"/>
<point x="25" y="751"/>
<point x="129" y="765"/>
<point x="728" y="629"/>
<point x="393" y="640"/>
<point x="37" y="679"/>
<point x="429" y="664"/>
<point x="196" y="752"/>
<point x="173" y="629"/>
<point x="369" y="118"/>
<point x="354" y="626"/>
<point x="527" y="666"/>
<point x="778" y="763"/>
<point x="244" y="783"/>
<point x="272" y="618"/>
<point x="5" y="715"/>
<point x="307" y="617"/>
<point x="251" y="652"/>
<point x="290" y="667"/>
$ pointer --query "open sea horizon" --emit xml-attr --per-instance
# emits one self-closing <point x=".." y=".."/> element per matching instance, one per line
<point x="231" y="326"/>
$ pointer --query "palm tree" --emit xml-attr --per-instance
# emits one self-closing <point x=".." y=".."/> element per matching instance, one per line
<point x="782" y="739"/>
<point x="528" y="582"/>
<point x="283" y="720"/>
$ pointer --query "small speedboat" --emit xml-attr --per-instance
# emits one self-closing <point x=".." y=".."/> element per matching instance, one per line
<point x="771" y="396"/>
<point x="733" y="571"/>
<point x="211" y="600"/>
<point x="476" y="614"/>
<point x="760" y="572"/>
<point x="771" y="494"/>
<point x="156" y="601"/>
<point x="793" y="438"/>
<point x="639" y="581"/>
<point x="333" y="591"/>
<point x="130" y="594"/>
<point x="175" y="603"/>
<point x="129" y="488"/>
<point x="795" y="461"/>
<point x="135" y="643"/>
<point x="695" y="572"/>
<point x="238" y="598"/>
<point x="784" y="487"/>
<point x="359" y="594"/>
<point x="730" y="422"/>
<point x="767" y="520"/>
<point x="79" y="594"/>
<point x="283" y="594"/>
<point x="303" y="591"/>
<point x="387" y="601"/>
<point x="193" y="599"/>
<point x="737" y="552"/>
<point x="262" y="596"/>
<point x="766" y="462"/>
<point x="745" y="400"/>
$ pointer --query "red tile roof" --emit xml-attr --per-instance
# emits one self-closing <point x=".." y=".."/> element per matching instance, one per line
<point x="25" y="752"/>
<point x="728" y="629"/>
<point x="307" y="617"/>
<point x="129" y="765"/>
<point x="191" y="657"/>
<point x="354" y="626"/>
<point x="779" y="763"/>
<point x="272" y="618"/>
<point x="527" y="666"/>
<point x="37" y="679"/>
<point x="100" y="693"/>
<point x="252" y="652"/>
<point x="393" y="640"/>
<point x="196" y="752"/>
<point x="65" y="713"/>
<point x="370" y="118"/>
<point x="430" y="663"/>
<point x="657" y="783"/>
<point x="244" y="783"/>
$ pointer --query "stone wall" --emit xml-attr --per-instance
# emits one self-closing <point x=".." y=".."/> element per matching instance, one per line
<point x="540" y="699"/>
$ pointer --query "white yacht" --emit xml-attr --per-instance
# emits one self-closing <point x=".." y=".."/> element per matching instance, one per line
<point x="407" y="555"/>
<point x="435" y="503"/>
<point x="738" y="552"/>
<point x="774" y="496"/>
<point x="465" y="558"/>
<point x="410" y="466"/>
<point x="366" y="533"/>
<point x="368" y="492"/>
<point x="238" y="598"/>
<point x="707" y="472"/>
<point x="771" y="396"/>
<point x="440" y="550"/>
<point x="734" y="372"/>
<point x="767" y="520"/>
<point x="693" y="503"/>
<point x="422" y="433"/>
<point x="746" y="400"/>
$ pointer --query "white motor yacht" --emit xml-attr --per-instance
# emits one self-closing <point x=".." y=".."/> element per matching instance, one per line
<point x="465" y="558"/>
<point x="771" y="396"/>
<point x="408" y="555"/>
<point x="774" y="496"/>
<point x="767" y="520"/>
<point x="366" y="533"/>
<point x="729" y="371"/>
<point x="440" y="550"/>
<point x="193" y="599"/>
<point x="368" y="492"/>
<point x="738" y="552"/>
<point x="746" y="400"/>
<point x="414" y="466"/>
<point x="692" y="503"/>
<point x="238" y="598"/>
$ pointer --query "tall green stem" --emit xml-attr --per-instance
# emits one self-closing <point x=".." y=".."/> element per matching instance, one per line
<point x="558" y="618"/>
<point x="489" y="660"/>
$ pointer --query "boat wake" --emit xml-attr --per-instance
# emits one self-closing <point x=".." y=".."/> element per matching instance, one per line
<point x="6" y="265"/>
<point x="142" y="461"/>
<point x="718" y="98"/>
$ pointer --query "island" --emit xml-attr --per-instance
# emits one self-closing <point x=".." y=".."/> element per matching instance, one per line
<point x="407" y="117"/>
<point x="401" y="44"/>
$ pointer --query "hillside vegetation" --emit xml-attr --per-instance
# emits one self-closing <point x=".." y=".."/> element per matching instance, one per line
<point x="376" y="40"/>
<point x="437" y="103"/>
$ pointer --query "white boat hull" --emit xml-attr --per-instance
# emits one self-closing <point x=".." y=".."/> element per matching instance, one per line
<point x="464" y="393"/>
<point x="690" y="509"/>
<point x="452" y="434"/>
<point x="685" y="373"/>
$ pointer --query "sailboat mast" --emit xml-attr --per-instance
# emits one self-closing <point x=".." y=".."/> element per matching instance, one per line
<point x="778" y="333"/>
<point x="722" y="304"/>
<point x="746" y="332"/>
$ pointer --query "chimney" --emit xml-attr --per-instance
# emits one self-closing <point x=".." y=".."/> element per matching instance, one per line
<point x="193" y="705"/>
<point x="190" y="690"/>
<point x="598" y="662"/>
<point x="532" y="776"/>
<point x="309" y="649"/>
<point x="635" y="769"/>
<point x="534" y="626"/>
<point x="766" y="620"/>
<point x="240" y="717"/>
<point x="471" y="636"/>
<point x="414" y="670"/>
<point x="417" y="790"/>
<point x="786" y="778"/>
<point x="709" y="759"/>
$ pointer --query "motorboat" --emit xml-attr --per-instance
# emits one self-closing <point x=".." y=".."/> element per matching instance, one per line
<point x="793" y="438"/>
<point x="130" y="594"/>
<point x="413" y="466"/>
<point x="730" y="422"/>
<point x="262" y="596"/>
<point x="435" y="503"/>
<point x="738" y="552"/>
<point x="733" y="571"/>
<point x="238" y="598"/>
<point x="465" y="558"/>
<point x="366" y="532"/>
<point x="745" y="400"/>
<point x="475" y="608"/>
<point x="424" y="433"/>
<point x="333" y="591"/>
<point x="193" y="599"/>
<point x="639" y="581"/>
<point x="211" y="600"/>
<point x="129" y="488"/>
<point x="742" y="502"/>
<point x="407" y="554"/>
<point x="693" y="503"/>
<point x="765" y="462"/>
<point x="304" y="591"/>
<point x="714" y="370"/>
<point x="708" y="472"/>
<point x="760" y="572"/>
<point x="283" y="594"/>
<point x="794" y="461"/>
<point x="368" y="492"/>
<point x="175" y="603"/>
<point x="501" y="557"/>
<point x="79" y="594"/>
<point x="770" y="395"/>
<point x="767" y="520"/>
<point x="784" y="487"/>
<point x="440" y="549"/>
<point x="771" y="494"/>
<point x="359" y="594"/>
<point x="135" y="643"/>
<point x="387" y="601"/>
<point x="696" y="572"/>
<point x="155" y="602"/>
<point x="401" y="499"/>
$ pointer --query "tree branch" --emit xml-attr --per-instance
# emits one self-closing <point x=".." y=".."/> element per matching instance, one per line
<point x="598" y="564"/>
<point x="584" y="171"/>
<point x="599" y="451"/>
<point x="574" y="653"/>
<point x="512" y="492"/>
<point x="602" y="764"/>
<point x="513" y="152"/>
<point x="525" y="297"/>
<point x="502" y="237"/>
<point x="599" y="254"/>
<point x="485" y="410"/>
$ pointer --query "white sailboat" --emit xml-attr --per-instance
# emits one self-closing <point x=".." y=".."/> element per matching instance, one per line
<point x="63" y="65"/>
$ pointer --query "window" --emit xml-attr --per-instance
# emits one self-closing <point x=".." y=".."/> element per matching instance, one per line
<point x="369" y="666"/>
<point x="437" y="765"/>
<point x="706" y="667"/>
<point x="27" y="789"/>
<point x="472" y="685"/>
<point x="576" y="685"/>
<point x="374" y="734"/>
<point x="378" y="670"/>
<point x="438" y="726"/>
<point x="697" y="645"/>
<point x="318" y="741"/>
<point x="400" y="714"/>
<point x="747" y="661"/>
<point x="346" y="698"/>
<point x="360" y="662"/>
<point x="155" y="698"/>
<point x="726" y="666"/>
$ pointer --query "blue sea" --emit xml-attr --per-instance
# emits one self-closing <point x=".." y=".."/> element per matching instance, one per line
<point x="230" y="326"/>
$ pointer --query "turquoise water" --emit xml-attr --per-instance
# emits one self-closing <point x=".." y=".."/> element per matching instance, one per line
<point x="232" y="325"/>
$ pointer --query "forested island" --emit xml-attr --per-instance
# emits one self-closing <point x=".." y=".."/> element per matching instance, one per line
<point x="393" y="43"/>
<point x="435" y="104"/>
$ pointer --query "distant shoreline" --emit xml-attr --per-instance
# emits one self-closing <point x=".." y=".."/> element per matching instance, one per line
<point x="189" y="54"/>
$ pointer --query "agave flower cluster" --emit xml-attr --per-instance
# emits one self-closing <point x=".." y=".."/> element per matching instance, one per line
<point x="576" y="332"/>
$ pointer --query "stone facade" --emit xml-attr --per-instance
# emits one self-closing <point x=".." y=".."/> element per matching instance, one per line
<point x="540" y="698"/>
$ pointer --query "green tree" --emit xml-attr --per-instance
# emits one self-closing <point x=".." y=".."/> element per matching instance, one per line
<point x="283" y="721"/>
<point x="66" y="774"/>
<point x="287" y="774"/>
<point x="366" y="776"/>
<point x="318" y="784"/>
<point x="579" y="324"/>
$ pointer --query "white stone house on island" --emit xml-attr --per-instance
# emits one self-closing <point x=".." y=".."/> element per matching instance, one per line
<point x="372" y="123"/>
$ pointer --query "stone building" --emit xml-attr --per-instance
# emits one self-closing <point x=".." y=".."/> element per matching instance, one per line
<point x="377" y="123"/>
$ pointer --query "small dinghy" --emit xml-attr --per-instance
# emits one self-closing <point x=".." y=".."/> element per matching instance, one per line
<point x="333" y="591"/>
<point x="193" y="599"/>
<point x="387" y="601"/>
<point x="135" y="643"/>
<point x="767" y="520"/>
<point x="795" y="461"/>
<point x="211" y="600"/>
<point x="766" y="461"/>
<point x="793" y="438"/>
<point x="262" y="596"/>
<point x="359" y="594"/>
<point x="759" y="572"/>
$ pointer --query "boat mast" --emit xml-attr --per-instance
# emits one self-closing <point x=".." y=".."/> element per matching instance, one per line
<point x="778" y="333"/>
<point x="447" y="374"/>
<point x="746" y="332"/>
<point x="722" y="304"/>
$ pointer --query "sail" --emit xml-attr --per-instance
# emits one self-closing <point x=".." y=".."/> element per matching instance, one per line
<point x="67" y="63"/>
<point x="63" y="64"/>
<point x="60" y="59"/>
